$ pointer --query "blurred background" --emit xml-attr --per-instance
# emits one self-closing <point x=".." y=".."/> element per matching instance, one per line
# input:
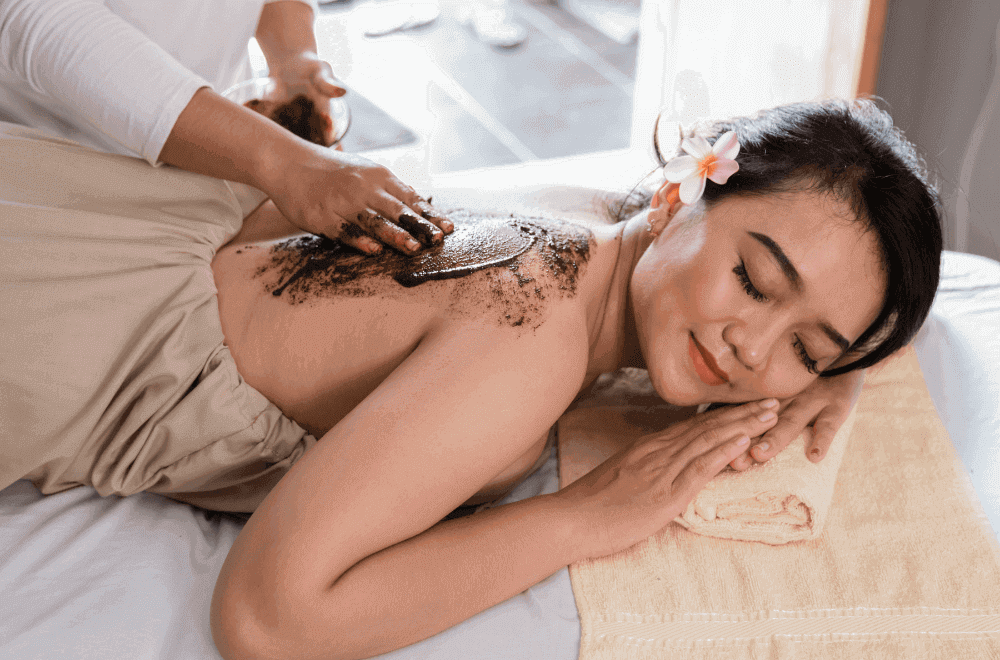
<point x="443" y="86"/>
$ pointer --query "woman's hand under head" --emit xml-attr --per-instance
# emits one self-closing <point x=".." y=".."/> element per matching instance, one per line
<point x="824" y="405"/>
<point x="753" y="297"/>
<point x="641" y="489"/>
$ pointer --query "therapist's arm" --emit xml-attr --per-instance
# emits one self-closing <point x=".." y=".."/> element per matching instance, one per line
<point x="285" y="35"/>
<point x="317" y="189"/>
<point x="103" y="73"/>
<point x="71" y="51"/>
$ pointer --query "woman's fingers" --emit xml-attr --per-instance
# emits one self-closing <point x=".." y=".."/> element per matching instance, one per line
<point x="729" y="414"/>
<point x="791" y="422"/>
<point x="703" y="468"/>
<point x="825" y="428"/>
<point x="741" y="462"/>
<point x="754" y="422"/>
<point x="327" y="191"/>
<point x="825" y="404"/>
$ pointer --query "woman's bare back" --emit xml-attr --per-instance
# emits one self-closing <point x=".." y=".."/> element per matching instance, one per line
<point x="317" y="327"/>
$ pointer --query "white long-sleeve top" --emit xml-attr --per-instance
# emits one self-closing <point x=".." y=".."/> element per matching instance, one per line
<point x="115" y="75"/>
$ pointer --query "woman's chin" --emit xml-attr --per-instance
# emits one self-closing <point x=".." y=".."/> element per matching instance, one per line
<point x="680" y="397"/>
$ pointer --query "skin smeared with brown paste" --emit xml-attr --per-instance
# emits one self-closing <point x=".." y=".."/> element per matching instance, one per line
<point x="518" y="262"/>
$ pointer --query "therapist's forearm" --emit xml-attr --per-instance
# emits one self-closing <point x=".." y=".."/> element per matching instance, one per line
<point x="216" y="137"/>
<point x="285" y="31"/>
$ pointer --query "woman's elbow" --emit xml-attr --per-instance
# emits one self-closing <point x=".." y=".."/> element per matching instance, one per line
<point x="237" y="631"/>
<point x="256" y="626"/>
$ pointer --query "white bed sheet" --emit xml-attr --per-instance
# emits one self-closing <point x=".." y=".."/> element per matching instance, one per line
<point x="106" y="578"/>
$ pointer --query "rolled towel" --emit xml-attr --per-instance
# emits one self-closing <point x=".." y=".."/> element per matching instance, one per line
<point x="785" y="499"/>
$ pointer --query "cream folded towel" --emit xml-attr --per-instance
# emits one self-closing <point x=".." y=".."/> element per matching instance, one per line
<point x="786" y="499"/>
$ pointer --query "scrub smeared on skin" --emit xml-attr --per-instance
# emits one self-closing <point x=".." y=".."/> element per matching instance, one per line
<point x="522" y="261"/>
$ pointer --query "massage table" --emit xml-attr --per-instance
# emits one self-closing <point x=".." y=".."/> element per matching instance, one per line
<point x="83" y="576"/>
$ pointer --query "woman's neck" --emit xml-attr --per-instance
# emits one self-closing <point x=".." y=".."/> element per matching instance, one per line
<point x="611" y="321"/>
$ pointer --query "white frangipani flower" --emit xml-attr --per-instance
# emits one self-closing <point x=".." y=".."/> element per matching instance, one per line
<point x="705" y="161"/>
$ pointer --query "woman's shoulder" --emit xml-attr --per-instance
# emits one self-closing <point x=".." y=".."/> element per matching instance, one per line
<point x="513" y="269"/>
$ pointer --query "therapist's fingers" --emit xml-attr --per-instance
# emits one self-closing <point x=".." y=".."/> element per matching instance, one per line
<point x="325" y="82"/>
<point x="354" y="236"/>
<point x="419" y="226"/>
<point x="401" y="199"/>
<point x="390" y="233"/>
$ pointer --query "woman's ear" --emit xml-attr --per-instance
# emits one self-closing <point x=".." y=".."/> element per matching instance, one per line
<point x="664" y="206"/>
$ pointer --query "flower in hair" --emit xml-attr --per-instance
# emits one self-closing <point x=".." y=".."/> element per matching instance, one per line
<point x="716" y="162"/>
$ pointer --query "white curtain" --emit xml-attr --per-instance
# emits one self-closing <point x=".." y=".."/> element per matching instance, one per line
<point x="722" y="58"/>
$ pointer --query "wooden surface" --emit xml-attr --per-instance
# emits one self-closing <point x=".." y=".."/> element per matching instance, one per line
<point x="872" y="48"/>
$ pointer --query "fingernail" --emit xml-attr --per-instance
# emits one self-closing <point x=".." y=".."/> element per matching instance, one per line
<point x="766" y="416"/>
<point x="745" y="440"/>
<point x="814" y="454"/>
<point x="769" y="403"/>
<point x="411" y="244"/>
<point x="763" y="446"/>
<point x="447" y="225"/>
<point x="371" y="246"/>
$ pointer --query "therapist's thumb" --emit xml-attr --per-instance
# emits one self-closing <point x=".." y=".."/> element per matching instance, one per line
<point x="327" y="85"/>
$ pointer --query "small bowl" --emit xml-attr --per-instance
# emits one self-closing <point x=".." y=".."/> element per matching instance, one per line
<point x="259" y="94"/>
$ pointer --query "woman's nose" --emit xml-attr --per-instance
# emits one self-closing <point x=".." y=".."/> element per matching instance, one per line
<point x="750" y="343"/>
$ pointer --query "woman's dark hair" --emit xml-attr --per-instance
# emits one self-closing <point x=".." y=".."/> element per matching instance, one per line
<point x="851" y="150"/>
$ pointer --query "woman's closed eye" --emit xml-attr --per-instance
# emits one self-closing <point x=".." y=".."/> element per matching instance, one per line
<point x="744" y="278"/>
<point x="803" y="354"/>
<point x="800" y="349"/>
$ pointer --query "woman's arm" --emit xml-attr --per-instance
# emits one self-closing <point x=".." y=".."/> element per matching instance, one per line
<point x="344" y="559"/>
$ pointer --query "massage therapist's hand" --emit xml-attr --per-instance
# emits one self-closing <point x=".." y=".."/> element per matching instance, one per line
<point x="825" y="405"/>
<point x="302" y="74"/>
<point x="349" y="197"/>
<point x="319" y="190"/>
<point x="641" y="489"/>
<point x="306" y="72"/>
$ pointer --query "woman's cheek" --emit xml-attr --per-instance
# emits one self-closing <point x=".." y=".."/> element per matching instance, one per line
<point x="784" y="381"/>
<point x="711" y="296"/>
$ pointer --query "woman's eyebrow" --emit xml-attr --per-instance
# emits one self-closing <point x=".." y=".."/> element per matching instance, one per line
<point x="779" y="255"/>
<point x="793" y="278"/>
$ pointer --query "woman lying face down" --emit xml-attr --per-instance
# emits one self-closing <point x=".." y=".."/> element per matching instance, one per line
<point x="434" y="384"/>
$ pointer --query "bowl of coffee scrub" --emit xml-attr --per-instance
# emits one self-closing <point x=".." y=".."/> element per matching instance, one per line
<point x="312" y="117"/>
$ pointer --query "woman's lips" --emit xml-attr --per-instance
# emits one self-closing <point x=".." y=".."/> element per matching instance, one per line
<point x="704" y="365"/>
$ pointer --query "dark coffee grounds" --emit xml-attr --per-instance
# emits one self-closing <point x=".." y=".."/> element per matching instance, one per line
<point x="540" y="257"/>
<point x="300" y="116"/>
